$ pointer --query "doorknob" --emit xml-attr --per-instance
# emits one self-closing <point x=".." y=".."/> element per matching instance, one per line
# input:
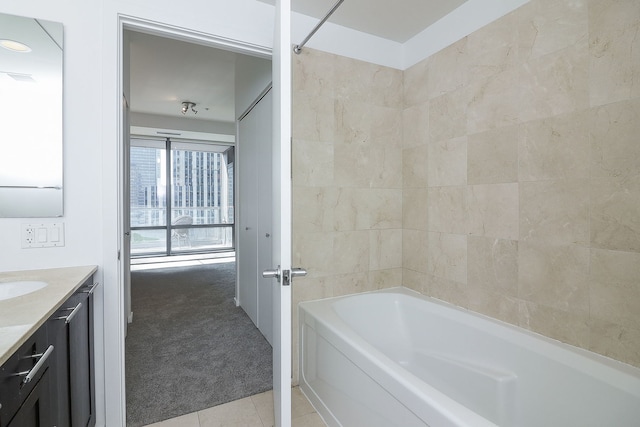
<point x="298" y="272"/>
<point x="270" y="274"/>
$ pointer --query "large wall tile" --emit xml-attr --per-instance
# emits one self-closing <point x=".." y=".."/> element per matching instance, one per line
<point x="492" y="264"/>
<point x="614" y="287"/>
<point x="614" y="51"/>
<point x="350" y="252"/>
<point x="364" y="209"/>
<point x="414" y="250"/>
<point x="415" y="280"/>
<point x="494" y="102"/>
<point x="495" y="304"/>
<point x="315" y="120"/>
<point x="314" y="163"/>
<point x="314" y="73"/>
<point x="371" y="83"/>
<point x="615" y="223"/>
<point x="493" y="48"/>
<point x="415" y="86"/>
<point x="385" y="249"/>
<point x="385" y="279"/>
<point x="414" y="167"/>
<point x="448" y="290"/>
<point x="568" y="327"/>
<point x="492" y="156"/>
<point x="614" y="130"/>
<point x="447" y="255"/>
<point x="447" y="209"/>
<point x="493" y="210"/>
<point x="554" y="84"/>
<point x="616" y="341"/>
<point x="554" y="276"/>
<point x="555" y="147"/>
<point x="448" y="70"/>
<point x="447" y="162"/>
<point x="352" y="121"/>
<point x="313" y="208"/>
<point x="547" y="26"/>
<point x="555" y="212"/>
<point x="350" y="283"/>
<point x="414" y="208"/>
<point x="314" y="251"/>
<point x="415" y="125"/>
<point x="448" y="115"/>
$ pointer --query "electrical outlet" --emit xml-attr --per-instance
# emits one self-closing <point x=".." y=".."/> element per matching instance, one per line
<point x="28" y="235"/>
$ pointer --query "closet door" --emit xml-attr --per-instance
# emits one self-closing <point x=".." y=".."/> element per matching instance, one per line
<point x="263" y="116"/>
<point x="255" y="209"/>
<point x="247" y="256"/>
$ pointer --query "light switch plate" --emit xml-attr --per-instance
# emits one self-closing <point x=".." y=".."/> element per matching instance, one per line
<point x="42" y="235"/>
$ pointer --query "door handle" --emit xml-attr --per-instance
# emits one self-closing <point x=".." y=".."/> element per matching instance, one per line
<point x="298" y="272"/>
<point x="285" y="276"/>
<point x="270" y="274"/>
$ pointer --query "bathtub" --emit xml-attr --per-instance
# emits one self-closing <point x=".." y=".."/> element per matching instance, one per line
<point x="397" y="358"/>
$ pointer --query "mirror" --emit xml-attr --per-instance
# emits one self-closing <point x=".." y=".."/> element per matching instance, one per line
<point x="30" y="117"/>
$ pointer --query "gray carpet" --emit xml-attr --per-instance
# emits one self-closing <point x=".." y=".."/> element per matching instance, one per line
<point x="190" y="347"/>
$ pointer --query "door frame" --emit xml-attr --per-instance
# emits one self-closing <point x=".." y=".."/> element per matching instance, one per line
<point x="116" y="404"/>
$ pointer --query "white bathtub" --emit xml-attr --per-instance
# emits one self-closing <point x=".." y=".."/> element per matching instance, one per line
<point x="397" y="358"/>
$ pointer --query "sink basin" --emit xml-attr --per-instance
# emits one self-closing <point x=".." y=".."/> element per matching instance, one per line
<point x="14" y="289"/>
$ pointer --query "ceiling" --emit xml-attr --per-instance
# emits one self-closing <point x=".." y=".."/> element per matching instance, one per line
<point x="397" y="20"/>
<point x="166" y="72"/>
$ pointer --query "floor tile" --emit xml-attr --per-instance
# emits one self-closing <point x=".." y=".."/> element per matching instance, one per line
<point x="189" y="420"/>
<point x="300" y="406"/>
<point x="309" y="420"/>
<point x="264" y="406"/>
<point x="239" y="413"/>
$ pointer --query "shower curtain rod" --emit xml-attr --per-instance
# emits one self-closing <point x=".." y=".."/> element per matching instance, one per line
<point x="298" y="48"/>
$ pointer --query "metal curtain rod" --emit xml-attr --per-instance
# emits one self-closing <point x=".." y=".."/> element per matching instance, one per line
<point x="298" y="48"/>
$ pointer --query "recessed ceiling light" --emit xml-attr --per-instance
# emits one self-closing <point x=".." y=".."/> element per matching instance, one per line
<point x="15" y="46"/>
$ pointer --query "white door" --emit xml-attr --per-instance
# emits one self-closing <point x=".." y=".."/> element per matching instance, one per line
<point x="255" y="213"/>
<point x="264" y="112"/>
<point x="282" y="213"/>
<point x="126" y="214"/>
<point x="248" y="216"/>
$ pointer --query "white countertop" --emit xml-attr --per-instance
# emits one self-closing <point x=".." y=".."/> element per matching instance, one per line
<point x="20" y="317"/>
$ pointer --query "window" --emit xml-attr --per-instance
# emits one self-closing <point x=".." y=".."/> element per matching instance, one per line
<point x="200" y="197"/>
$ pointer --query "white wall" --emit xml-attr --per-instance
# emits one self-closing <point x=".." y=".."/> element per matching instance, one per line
<point x="91" y="102"/>
<point x="253" y="74"/>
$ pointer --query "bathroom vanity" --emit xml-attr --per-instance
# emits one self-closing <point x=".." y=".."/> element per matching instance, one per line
<point x="46" y="348"/>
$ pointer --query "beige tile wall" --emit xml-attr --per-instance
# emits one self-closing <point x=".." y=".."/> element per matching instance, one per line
<point x="501" y="174"/>
<point x="522" y="177"/>
<point x="347" y="177"/>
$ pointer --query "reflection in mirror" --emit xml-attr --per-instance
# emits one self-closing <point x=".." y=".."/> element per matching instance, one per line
<point x="30" y="117"/>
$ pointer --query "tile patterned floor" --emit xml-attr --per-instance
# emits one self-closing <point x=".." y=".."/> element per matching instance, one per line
<point x="253" y="411"/>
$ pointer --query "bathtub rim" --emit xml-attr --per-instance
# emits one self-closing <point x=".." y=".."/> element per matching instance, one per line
<point x="497" y="324"/>
<point x="425" y="401"/>
<point x="616" y="373"/>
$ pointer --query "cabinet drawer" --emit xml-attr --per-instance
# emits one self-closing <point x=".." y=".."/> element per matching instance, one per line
<point x="13" y="389"/>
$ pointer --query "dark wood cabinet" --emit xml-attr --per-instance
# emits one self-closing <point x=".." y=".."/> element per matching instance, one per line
<point x="50" y="380"/>
<point x="72" y="329"/>
<point x="35" y="411"/>
<point x="25" y="394"/>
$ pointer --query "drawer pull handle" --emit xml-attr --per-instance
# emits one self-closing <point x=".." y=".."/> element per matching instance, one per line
<point x="71" y="315"/>
<point x="29" y="375"/>
<point x="91" y="289"/>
